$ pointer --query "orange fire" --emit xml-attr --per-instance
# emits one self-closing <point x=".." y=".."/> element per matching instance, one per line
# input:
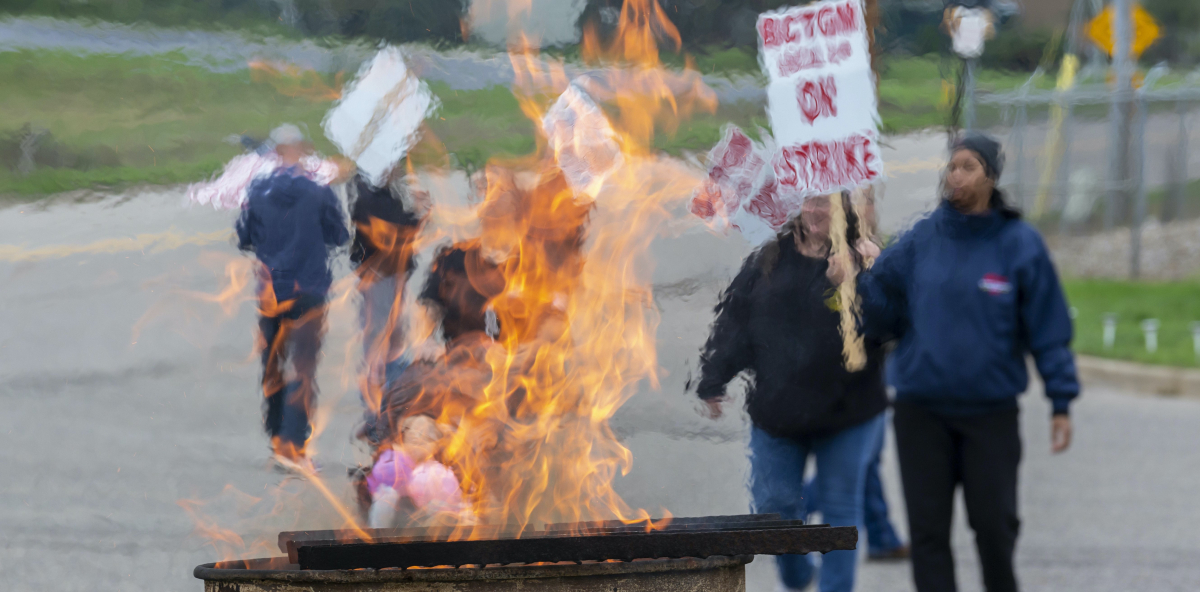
<point x="566" y="276"/>
<point x="524" y="417"/>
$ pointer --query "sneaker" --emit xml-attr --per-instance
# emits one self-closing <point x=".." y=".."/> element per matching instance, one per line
<point x="900" y="553"/>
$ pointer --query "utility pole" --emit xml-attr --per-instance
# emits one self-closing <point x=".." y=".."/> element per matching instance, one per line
<point x="969" y="24"/>
<point x="1120" y="113"/>
<point x="969" y="94"/>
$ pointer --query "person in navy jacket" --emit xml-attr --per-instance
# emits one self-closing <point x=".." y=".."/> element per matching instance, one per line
<point x="291" y="224"/>
<point x="967" y="294"/>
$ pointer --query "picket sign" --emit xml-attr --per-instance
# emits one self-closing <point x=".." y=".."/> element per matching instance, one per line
<point x="584" y="142"/>
<point x="821" y="97"/>
<point x="824" y="117"/>
<point x="378" y="118"/>
<point x="823" y="113"/>
<point x="740" y="190"/>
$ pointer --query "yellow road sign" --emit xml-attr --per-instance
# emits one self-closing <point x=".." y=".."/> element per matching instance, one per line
<point x="1101" y="30"/>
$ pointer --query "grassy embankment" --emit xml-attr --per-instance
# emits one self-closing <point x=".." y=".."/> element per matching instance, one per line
<point x="122" y="120"/>
<point x="1176" y="305"/>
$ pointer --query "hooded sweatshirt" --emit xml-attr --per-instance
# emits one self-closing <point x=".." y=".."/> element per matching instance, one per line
<point x="781" y="328"/>
<point x="380" y="204"/>
<point x="291" y="223"/>
<point x="968" y="296"/>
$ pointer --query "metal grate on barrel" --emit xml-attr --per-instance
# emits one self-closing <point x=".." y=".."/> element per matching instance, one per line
<point x="700" y="537"/>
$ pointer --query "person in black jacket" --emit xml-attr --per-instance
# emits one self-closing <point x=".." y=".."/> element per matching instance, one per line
<point x="970" y="291"/>
<point x="385" y="228"/>
<point x="291" y="224"/>
<point x="778" y="321"/>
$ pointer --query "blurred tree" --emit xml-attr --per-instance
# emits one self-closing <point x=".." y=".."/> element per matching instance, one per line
<point x="1019" y="48"/>
<point x="1180" y="20"/>
<point x="169" y="13"/>
<point x="728" y="23"/>
<point x="393" y="20"/>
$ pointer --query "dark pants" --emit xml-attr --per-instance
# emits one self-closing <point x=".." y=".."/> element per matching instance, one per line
<point x="881" y="537"/>
<point x="937" y="453"/>
<point x="293" y="336"/>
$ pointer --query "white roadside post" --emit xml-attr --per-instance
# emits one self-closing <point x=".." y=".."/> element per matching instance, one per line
<point x="1150" y="331"/>
<point x="1110" y="329"/>
<point x="1196" y="339"/>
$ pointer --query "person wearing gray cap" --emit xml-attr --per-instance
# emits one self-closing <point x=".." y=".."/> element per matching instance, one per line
<point x="291" y="224"/>
<point x="968" y="293"/>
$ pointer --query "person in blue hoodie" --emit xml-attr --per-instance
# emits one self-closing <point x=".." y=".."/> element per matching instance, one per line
<point x="291" y="223"/>
<point x="968" y="293"/>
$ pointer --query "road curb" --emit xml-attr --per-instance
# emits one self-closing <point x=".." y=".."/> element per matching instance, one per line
<point x="1167" y="381"/>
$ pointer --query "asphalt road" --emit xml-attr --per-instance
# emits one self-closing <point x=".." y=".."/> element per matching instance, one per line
<point x="123" y="395"/>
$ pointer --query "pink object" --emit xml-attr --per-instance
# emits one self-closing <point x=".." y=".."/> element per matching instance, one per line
<point x="230" y="190"/>
<point x="435" y="488"/>
<point x="394" y="469"/>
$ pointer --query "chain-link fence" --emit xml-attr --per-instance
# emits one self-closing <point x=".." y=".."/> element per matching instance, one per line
<point x="1088" y="159"/>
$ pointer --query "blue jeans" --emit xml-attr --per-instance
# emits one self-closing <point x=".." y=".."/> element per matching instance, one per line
<point x="881" y="536"/>
<point x="383" y="342"/>
<point x="777" y="486"/>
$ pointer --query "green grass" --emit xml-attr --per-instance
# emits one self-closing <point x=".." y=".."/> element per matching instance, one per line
<point x="913" y="94"/>
<point x="121" y="120"/>
<point x="1176" y="305"/>
<point x="157" y="119"/>
<point x="477" y="125"/>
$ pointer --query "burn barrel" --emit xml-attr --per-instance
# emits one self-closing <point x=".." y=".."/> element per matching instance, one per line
<point x="714" y="574"/>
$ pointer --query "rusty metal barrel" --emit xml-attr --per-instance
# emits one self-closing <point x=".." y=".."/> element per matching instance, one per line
<point x="714" y="574"/>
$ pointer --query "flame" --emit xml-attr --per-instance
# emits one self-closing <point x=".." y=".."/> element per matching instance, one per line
<point x="526" y="415"/>
<point x="293" y="81"/>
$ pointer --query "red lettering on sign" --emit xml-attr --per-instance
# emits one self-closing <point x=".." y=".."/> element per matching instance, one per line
<point x="824" y="166"/>
<point x="829" y="21"/>
<point x="785" y="170"/>
<point x="847" y="17"/>
<point x="788" y="34"/>
<point x="768" y="206"/>
<point x="817" y="98"/>
<point x="704" y="204"/>
<point x="839" y="51"/>
<point x="824" y="24"/>
<point x="802" y="58"/>
<point x="808" y="19"/>
<point x="739" y="148"/>
<point x="768" y="30"/>
<point x="856" y="155"/>
<point x="837" y="20"/>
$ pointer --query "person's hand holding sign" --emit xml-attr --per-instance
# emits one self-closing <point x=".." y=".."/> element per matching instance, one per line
<point x="865" y="247"/>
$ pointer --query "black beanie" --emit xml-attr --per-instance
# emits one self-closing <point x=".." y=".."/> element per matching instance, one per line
<point x="986" y="147"/>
